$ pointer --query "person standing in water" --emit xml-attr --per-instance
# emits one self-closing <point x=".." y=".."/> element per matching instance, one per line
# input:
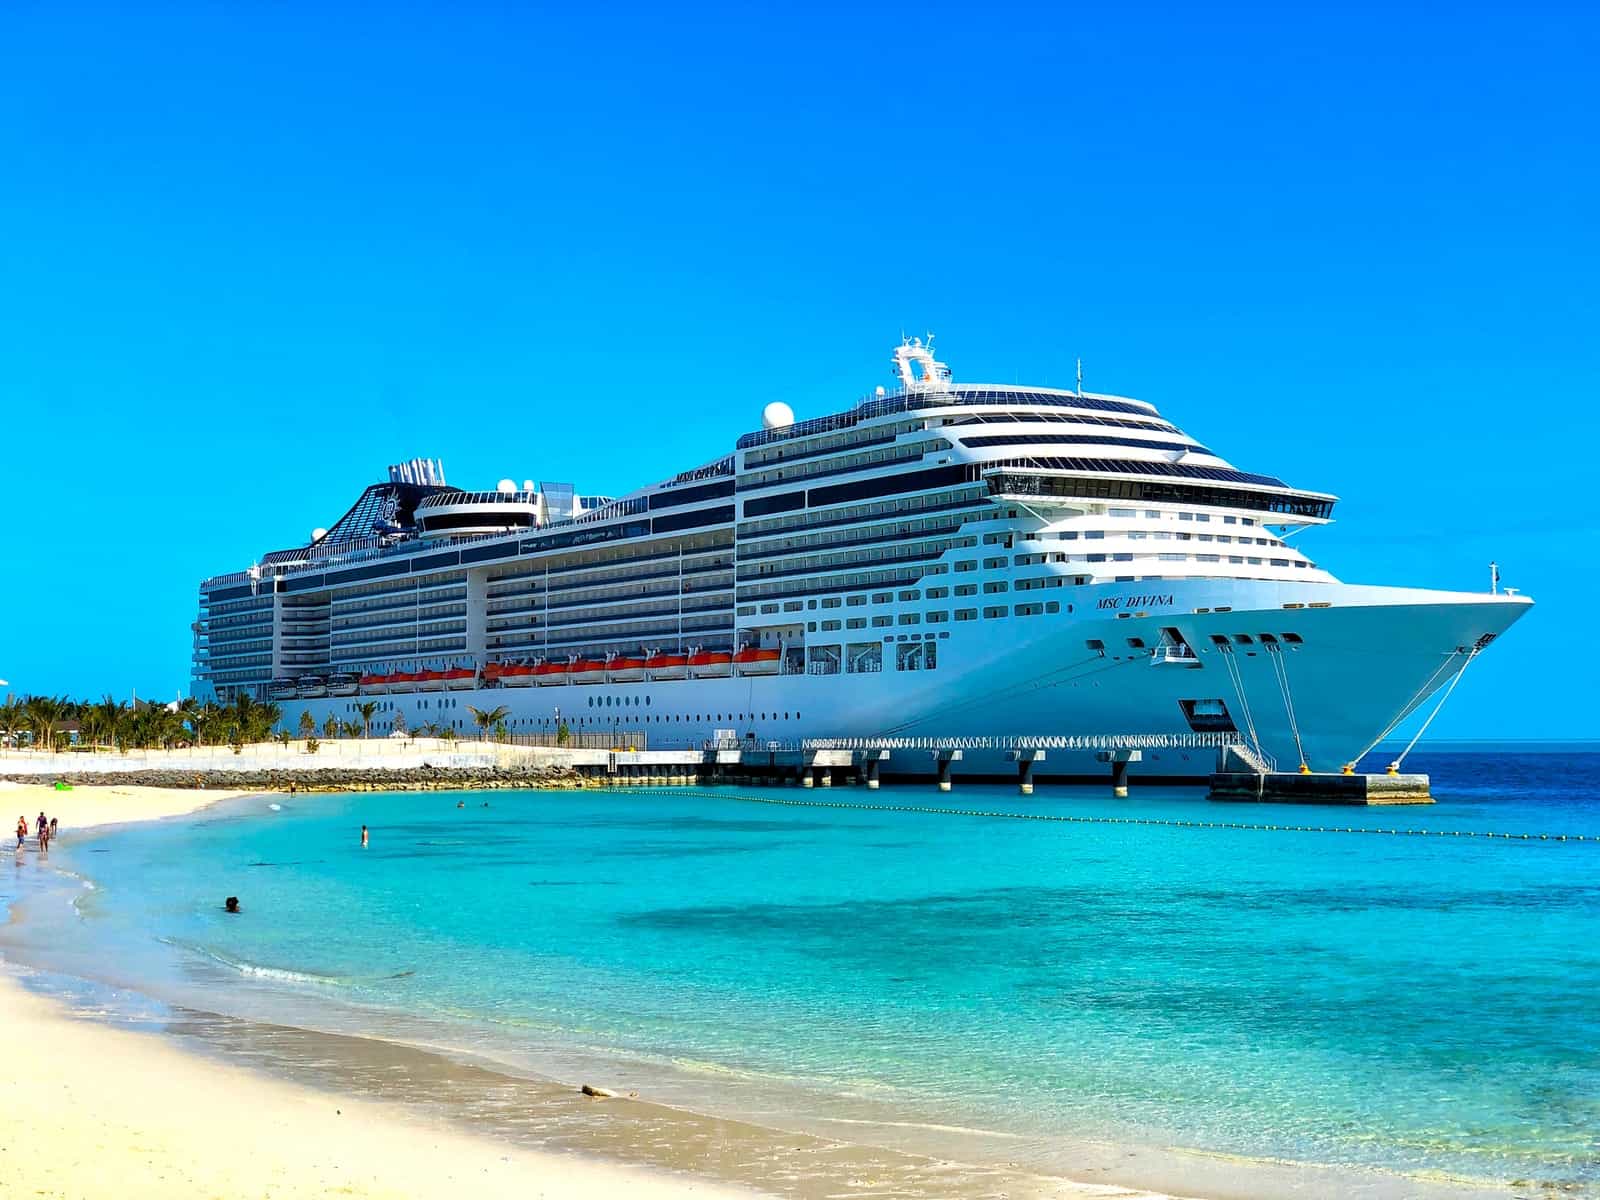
<point x="363" y="837"/>
<point x="22" y="831"/>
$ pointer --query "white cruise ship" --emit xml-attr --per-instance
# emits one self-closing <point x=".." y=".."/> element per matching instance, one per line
<point x="942" y="560"/>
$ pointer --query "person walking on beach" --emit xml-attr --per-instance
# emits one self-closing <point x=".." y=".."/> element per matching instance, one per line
<point x="363" y="837"/>
<point x="44" y="836"/>
<point x="22" y="831"/>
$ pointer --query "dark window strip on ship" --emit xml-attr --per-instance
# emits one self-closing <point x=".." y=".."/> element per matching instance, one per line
<point x="1007" y="483"/>
<point x="1129" y="467"/>
<point x="721" y="515"/>
<point x="764" y="506"/>
<point x="888" y="485"/>
<point x="694" y="495"/>
<point x="228" y="593"/>
<point x="1079" y="439"/>
<point x="1039" y="418"/>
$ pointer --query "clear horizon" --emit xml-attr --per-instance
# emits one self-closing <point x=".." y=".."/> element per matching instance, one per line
<point x="257" y="255"/>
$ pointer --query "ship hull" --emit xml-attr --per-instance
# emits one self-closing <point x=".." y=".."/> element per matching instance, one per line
<point x="1364" y="657"/>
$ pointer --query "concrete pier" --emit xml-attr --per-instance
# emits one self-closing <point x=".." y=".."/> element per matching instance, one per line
<point x="1320" y="788"/>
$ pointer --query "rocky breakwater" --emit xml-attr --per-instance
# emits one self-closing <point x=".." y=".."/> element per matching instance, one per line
<point x="331" y="779"/>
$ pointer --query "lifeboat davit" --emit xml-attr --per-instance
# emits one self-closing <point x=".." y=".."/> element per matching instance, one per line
<point x="704" y="663"/>
<point x="755" y="660"/>
<point x="549" y="672"/>
<point x="587" y="670"/>
<point x="666" y="666"/>
<point x="459" y="677"/>
<point x="624" y="667"/>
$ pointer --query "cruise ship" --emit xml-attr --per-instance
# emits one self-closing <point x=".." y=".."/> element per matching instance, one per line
<point x="941" y="560"/>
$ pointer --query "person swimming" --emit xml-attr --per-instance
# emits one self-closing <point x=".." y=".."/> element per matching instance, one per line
<point x="363" y="837"/>
<point x="231" y="904"/>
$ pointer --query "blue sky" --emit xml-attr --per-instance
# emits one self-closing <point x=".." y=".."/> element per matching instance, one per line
<point x="254" y="253"/>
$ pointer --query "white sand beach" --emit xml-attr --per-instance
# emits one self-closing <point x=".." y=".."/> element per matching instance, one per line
<point x="94" y="1111"/>
<point x="92" y="807"/>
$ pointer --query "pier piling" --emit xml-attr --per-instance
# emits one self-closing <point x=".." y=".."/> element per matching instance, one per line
<point x="1119" y="760"/>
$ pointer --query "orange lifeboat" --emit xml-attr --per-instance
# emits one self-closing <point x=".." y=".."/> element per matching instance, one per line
<point x="430" y="678"/>
<point x="371" y="683"/>
<point x="459" y="677"/>
<point x="756" y="660"/>
<point x="516" y="674"/>
<point x="666" y="666"/>
<point x="625" y="667"/>
<point x="587" y="670"/>
<point x="492" y="671"/>
<point x="704" y="663"/>
<point x="549" y="672"/>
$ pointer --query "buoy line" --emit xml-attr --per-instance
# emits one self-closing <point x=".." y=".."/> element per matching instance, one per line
<point x="1086" y="820"/>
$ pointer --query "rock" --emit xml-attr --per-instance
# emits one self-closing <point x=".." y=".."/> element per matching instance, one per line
<point x="599" y="1093"/>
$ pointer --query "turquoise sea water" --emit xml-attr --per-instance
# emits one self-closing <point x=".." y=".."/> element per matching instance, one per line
<point x="1413" y="1004"/>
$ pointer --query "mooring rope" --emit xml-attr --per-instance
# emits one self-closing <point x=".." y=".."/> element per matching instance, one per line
<point x="1395" y="766"/>
<point x="1281" y="669"/>
<point x="1235" y="674"/>
<point x="1409" y="707"/>
<point x="1065" y="818"/>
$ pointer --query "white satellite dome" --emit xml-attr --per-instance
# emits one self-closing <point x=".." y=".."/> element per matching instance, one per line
<point x="506" y="486"/>
<point x="318" y="534"/>
<point x="776" y="415"/>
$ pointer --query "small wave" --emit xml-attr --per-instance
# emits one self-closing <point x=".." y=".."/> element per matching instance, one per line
<point x="258" y="970"/>
<point x="937" y="1128"/>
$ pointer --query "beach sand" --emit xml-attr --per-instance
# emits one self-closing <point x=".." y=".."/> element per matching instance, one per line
<point x="91" y="807"/>
<point x="92" y="1111"/>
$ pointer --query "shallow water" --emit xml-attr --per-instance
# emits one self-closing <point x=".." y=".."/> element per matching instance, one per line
<point x="1416" y="1004"/>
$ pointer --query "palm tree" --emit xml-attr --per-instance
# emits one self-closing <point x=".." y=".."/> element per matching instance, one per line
<point x="366" y="710"/>
<point x="103" y="720"/>
<point x="308" y="727"/>
<point x="350" y="729"/>
<point x="44" y="714"/>
<point x="486" y="718"/>
<point x="330" y="727"/>
<point x="13" y="718"/>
